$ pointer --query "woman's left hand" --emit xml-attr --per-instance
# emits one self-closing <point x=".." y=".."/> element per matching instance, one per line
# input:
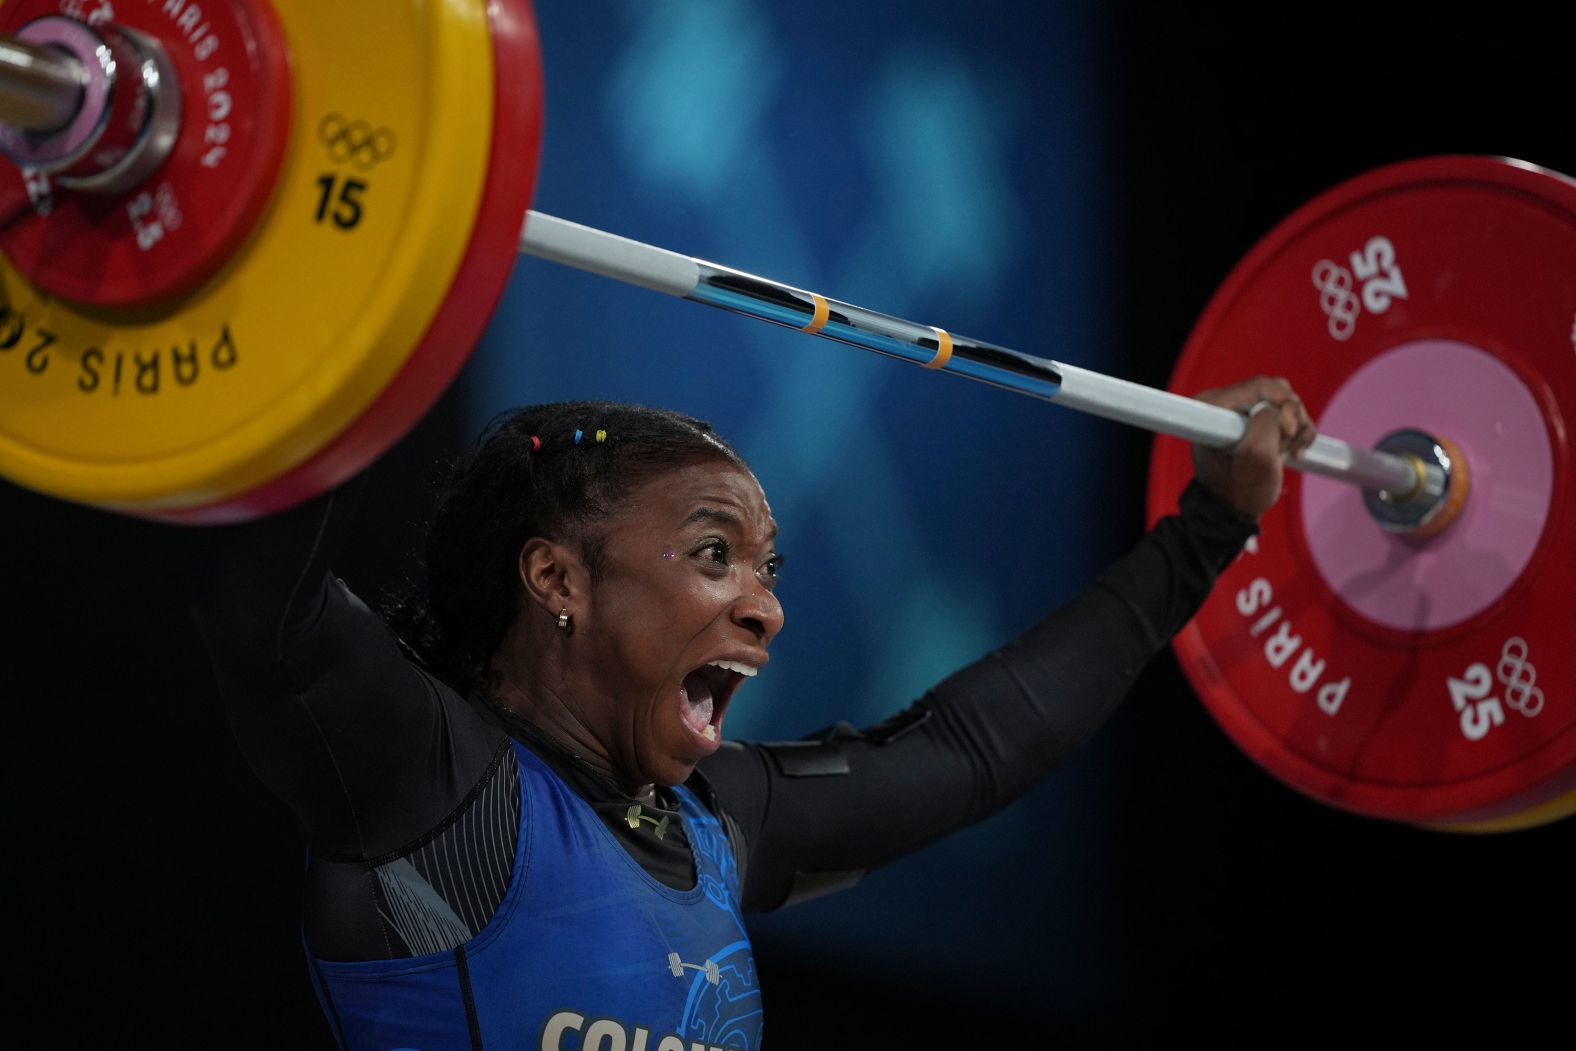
<point x="1248" y="475"/>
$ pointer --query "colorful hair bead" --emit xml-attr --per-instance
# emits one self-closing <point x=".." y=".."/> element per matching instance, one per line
<point x="578" y="434"/>
<point x="536" y="444"/>
<point x="601" y="436"/>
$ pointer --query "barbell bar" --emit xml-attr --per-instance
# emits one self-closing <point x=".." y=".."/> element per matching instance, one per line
<point x="319" y="238"/>
<point x="42" y="90"/>
<point x="1162" y="412"/>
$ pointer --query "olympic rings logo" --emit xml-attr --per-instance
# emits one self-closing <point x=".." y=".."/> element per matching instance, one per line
<point x="1336" y="298"/>
<point x="355" y="142"/>
<point x="1519" y="678"/>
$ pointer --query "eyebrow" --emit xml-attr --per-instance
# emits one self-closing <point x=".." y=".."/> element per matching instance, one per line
<point x="714" y="514"/>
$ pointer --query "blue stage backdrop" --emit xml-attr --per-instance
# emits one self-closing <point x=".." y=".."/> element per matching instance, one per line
<point x="943" y="163"/>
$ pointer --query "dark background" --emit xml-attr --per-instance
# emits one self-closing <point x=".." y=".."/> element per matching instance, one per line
<point x="1161" y="885"/>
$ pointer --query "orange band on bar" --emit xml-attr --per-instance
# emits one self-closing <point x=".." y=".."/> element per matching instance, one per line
<point x="943" y="349"/>
<point x="821" y="314"/>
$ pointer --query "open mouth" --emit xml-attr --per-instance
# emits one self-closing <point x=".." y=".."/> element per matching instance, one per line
<point x="704" y="694"/>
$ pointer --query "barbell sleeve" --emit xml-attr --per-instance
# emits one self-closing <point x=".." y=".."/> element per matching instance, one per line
<point x="40" y="88"/>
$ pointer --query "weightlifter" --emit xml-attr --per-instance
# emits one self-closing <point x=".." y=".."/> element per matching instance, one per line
<point x="525" y="826"/>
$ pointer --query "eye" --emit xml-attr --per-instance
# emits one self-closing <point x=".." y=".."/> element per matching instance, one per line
<point x="716" y="552"/>
<point x="771" y="570"/>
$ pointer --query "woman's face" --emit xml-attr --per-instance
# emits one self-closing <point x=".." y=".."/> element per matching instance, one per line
<point x="680" y="615"/>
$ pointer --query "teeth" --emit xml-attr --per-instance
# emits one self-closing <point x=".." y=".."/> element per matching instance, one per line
<point x="743" y="669"/>
<point x="710" y="733"/>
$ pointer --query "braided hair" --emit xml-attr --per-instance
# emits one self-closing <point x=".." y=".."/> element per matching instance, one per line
<point x="554" y="471"/>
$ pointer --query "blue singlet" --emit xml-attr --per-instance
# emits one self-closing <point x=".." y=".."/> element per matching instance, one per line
<point x="587" y="952"/>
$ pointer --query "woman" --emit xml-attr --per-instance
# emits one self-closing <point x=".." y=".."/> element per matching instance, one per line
<point x="525" y="828"/>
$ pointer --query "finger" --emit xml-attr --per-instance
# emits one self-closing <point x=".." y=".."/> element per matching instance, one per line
<point x="1256" y="439"/>
<point x="1290" y="424"/>
<point x="1307" y="431"/>
<point x="1276" y="389"/>
<point x="1297" y="424"/>
<point x="1251" y="396"/>
<point x="1264" y="433"/>
<point x="1244" y="394"/>
<point x="1238" y="396"/>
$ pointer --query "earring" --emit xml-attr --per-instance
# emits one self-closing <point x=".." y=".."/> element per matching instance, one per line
<point x="563" y="622"/>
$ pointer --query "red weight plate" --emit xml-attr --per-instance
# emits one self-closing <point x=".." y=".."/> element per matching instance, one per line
<point x="1424" y="681"/>
<point x="184" y="221"/>
<point x="447" y="343"/>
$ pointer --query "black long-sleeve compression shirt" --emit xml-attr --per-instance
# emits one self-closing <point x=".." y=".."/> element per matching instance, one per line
<point x="406" y="791"/>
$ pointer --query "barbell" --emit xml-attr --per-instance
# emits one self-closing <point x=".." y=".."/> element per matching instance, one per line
<point x="247" y="244"/>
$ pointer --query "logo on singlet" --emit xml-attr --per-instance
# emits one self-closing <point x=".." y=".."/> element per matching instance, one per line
<point x="676" y="968"/>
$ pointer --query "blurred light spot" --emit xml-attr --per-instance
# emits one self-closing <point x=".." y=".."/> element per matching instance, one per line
<point x="943" y="172"/>
<point x="686" y="98"/>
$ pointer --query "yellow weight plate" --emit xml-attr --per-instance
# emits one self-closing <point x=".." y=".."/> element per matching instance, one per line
<point x="165" y="407"/>
<point x="1562" y="806"/>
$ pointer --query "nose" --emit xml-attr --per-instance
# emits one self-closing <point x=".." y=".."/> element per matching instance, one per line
<point x="759" y="611"/>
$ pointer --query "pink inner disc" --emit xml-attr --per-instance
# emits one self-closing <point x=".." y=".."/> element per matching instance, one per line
<point x="1455" y="391"/>
<point x="85" y="45"/>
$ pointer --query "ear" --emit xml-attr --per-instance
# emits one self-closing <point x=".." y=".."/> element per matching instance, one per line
<point x="553" y="575"/>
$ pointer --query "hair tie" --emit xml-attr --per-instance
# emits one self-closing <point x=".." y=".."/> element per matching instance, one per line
<point x="601" y="436"/>
<point x="536" y="444"/>
<point x="578" y="433"/>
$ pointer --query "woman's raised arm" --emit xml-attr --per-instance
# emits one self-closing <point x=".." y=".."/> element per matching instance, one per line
<point x="364" y="747"/>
